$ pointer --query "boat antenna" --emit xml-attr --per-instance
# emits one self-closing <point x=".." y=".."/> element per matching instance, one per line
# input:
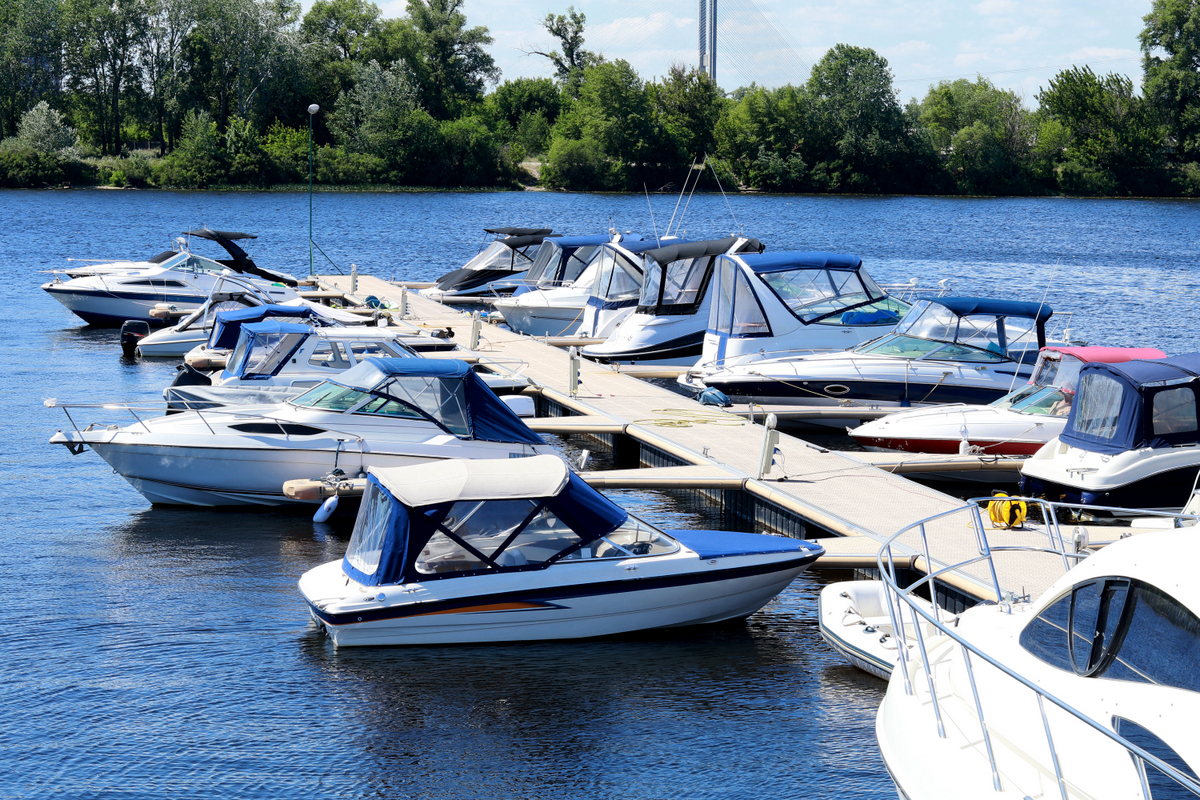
<point x="682" y="189"/>
<point x="652" y="223"/>
<point x="1041" y="305"/>
<point x="718" y="180"/>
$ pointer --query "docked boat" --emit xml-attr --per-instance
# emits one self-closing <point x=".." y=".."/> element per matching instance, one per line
<point x="496" y="270"/>
<point x="382" y="412"/>
<point x="1089" y="691"/>
<point x="784" y="304"/>
<point x="616" y="273"/>
<point x="667" y="326"/>
<point x="551" y="297"/>
<point x="1017" y="424"/>
<point x="853" y="619"/>
<point x="945" y="350"/>
<point x="181" y="282"/>
<point x="475" y="551"/>
<point x="1131" y="440"/>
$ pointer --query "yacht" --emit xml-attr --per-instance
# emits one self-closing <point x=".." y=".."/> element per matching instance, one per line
<point x="551" y="297"/>
<point x="667" y="326"/>
<point x="474" y="551"/>
<point x="181" y="282"/>
<point x="1017" y="424"/>
<point x="1131" y="440"/>
<point x="381" y="412"/>
<point x="616" y="285"/>
<point x="945" y="350"/>
<point x="495" y="270"/>
<point x="780" y="304"/>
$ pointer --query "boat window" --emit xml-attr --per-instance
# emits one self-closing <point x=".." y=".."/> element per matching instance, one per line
<point x="685" y="281"/>
<point x="268" y="351"/>
<point x="633" y="539"/>
<point x="577" y="263"/>
<point x="479" y="528"/>
<point x="548" y="252"/>
<point x="720" y="315"/>
<point x="370" y="528"/>
<point x="440" y="398"/>
<point x="996" y="333"/>
<point x="616" y="278"/>
<point x="1038" y="400"/>
<point x="814" y="293"/>
<point x="160" y="283"/>
<point x="748" y="319"/>
<point x="545" y="537"/>
<point x="329" y="355"/>
<point x="363" y="350"/>
<point x="496" y="256"/>
<point x="389" y="408"/>
<point x="958" y="352"/>
<point x="1161" y="787"/>
<point x="1098" y="407"/>
<point x="1173" y="411"/>
<point x="899" y="346"/>
<point x="332" y="397"/>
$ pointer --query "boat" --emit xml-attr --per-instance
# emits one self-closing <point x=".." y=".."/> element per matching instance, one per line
<point x="1017" y="424"/>
<point x="945" y="350"/>
<point x="381" y="412"/>
<point x="551" y="297"/>
<point x="790" y="303"/>
<point x="495" y="271"/>
<point x="1131" y="440"/>
<point x="180" y="283"/>
<point x="616" y="272"/>
<point x="1089" y="691"/>
<point x="853" y="619"/>
<point x="475" y="551"/>
<point x="667" y="326"/>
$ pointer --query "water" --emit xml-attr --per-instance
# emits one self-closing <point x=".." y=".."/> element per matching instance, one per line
<point x="167" y="653"/>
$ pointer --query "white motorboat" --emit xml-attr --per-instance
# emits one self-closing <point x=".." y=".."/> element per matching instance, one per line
<point x="1090" y="691"/>
<point x="182" y="282"/>
<point x="1017" y="424"/>
<point x="853" y="618"/>
<point x="382" y="412"/>
<point x="781" y="304"/>
<point x="616" y="272"/>
<point x="551" y="297"/>
<point x="474" y="551"/>
<point x="496" y="270"/>
<point x="668" y="324"/>
<point x="1131" y="440"/>
<point x="945" y="350"/>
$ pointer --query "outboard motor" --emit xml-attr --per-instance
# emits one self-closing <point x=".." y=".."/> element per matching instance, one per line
<point x="190" y="376"/>
<point x="132" y="332"/>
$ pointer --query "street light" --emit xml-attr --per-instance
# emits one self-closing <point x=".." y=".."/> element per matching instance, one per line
<point x="312" y="110"/>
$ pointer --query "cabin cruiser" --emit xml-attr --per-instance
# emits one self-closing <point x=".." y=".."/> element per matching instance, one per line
<point x="495" y="270"/>
<point x="551" y="297"/>
<point x="1017" y="424"/>
<point x="475" y="551"/>
<point x="945" y="350"/>
<point x="381" y="412"/>
<point x="1089" y="691"/>
<point x="1131" y="440"/>
<point x="774" y="304"/>
<point x="667" y="326"/>
<point x="181" y="282"/>
<point x="616" y="287"/>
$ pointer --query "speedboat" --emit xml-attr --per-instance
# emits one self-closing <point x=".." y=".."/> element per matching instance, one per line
<point x="1131" y="440"/>
<point x="616" y="287"/>
<point x="853" y="619"/>
<point x="1090" y="691"/>
<point x="551" y="297"/>
<point x="784" y="304"/>
<point x="667" y="326"/>
<point x="945" y="350"/>
<point x="475" y="551"/>
<point x="1017" y="424"/>
<point x="182" y="282"/>
<point x="382" y="412"/>
<point x="495" y="270"/>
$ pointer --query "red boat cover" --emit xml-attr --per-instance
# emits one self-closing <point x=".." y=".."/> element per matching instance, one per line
<point x="1110" y="355"/>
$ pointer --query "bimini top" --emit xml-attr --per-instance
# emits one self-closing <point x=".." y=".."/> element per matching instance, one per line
<point x="775" y="262"/>
<point x="239" y="261"/>
<point x="228" y="324"/>
<point x="1135" y="404"/>
<point x="1108" y="355"/>
<point x="969" y="306"/>
<point x="518" y="231"/>
<point x="709" y="247"/>
<point x="447" y="393"/>
<point x="484" y="516"/>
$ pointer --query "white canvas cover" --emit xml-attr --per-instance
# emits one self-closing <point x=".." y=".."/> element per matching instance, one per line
<point x="474" y="479"/>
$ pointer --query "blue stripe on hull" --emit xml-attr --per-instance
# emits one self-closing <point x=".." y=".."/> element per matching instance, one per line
<point x="110" y="321"/>
<point x="1164" y="490"/>
<point x="867" y="391"/>
<point x="688" y="346"/>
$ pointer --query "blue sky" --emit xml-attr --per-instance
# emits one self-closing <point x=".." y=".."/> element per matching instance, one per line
<point x="1018" y="44"/>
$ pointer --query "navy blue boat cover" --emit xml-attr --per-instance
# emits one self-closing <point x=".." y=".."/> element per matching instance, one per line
<point x="228" y="323"/>
<point x="718" y="544"/>
<point x="1113" y="425"/>
<point x="965" y="306"/>
<point x="779" y="262"/>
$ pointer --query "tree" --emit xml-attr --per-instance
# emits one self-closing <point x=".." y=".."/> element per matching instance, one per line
<point x="1172" y="84"/>
<point x="687" y="105"/>
<point x="447" y="58"/>
<point x="344" y="25"/>
<point x="42" y="130"/>
<point x="516" y="98"/>
<point x="570" y="60"/>
<point x="30" y="58"/>
<point x="762" y="138"/>
<point x="169" y="23"/>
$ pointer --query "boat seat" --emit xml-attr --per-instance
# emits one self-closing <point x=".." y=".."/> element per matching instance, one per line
<point x="512" y="558"/>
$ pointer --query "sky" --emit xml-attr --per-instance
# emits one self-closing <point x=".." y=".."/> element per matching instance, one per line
<point x="1017" y="44"/>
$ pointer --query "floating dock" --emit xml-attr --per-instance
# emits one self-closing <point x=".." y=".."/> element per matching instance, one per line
<point x="677" y="443"/>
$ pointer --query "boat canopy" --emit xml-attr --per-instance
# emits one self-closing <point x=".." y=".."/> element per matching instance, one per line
<point x="817" y="287"/>
<point x="1135" y="404"/>
<point x="463" y="517"/>
<point x="238" y="260"/>
<point x="1051" y="389"/>
<point x="561" y="260"/>
<point x="996" y="326"/>
<point x="228" y="324"/>
<point x="263" y="348"/>
<point x="677" y="276"/>
<point x="447" y="393"/>
<point x="499" y="259"/>
<point x="518" y="231"/>
<point x="618" y="278"/>
<point x="1109" y="355"/>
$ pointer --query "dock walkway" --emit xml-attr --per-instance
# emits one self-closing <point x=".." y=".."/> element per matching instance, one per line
<point x="839" y="492"/>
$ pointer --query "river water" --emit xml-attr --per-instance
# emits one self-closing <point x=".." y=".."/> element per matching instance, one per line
<point x="154" y="652"/>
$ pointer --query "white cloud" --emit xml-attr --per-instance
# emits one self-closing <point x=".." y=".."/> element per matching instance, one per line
<point x="995" y="8"/>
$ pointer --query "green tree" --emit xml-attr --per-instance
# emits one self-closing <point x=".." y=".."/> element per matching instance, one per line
<point x="30" y="58"/>
<point x="169" y="23"/>
<point x="1171" y="60"/>
<point x="449" y="63"/>
<point x="42" y="130"/>
<point x="516" y="98"/>
<point x="570" y="60"/>
<point x="687" y="104"/>
<point x="344" y="25"/>
<point x="199" y="160"/>
<point x="761" y="138"/>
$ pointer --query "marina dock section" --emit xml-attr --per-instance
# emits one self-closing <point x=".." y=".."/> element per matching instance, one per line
<point x="674" y="442"/>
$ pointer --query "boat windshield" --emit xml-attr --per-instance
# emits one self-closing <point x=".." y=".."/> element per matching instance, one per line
<point x="1052" y="389"/>
<point x="264" y="353"/>
<point x="814" y="295"/>
<point x="370" y="528"/>
<point x="437" y="400"/>
<point x="548" y="252"/>
<point x="735" y="310"/>
<point x="681" y="284"/>
<point x="498" y="256"/>
<point x="616" y="277"/>
<point x="633" y="539"/>
<point x="934" y="331"/>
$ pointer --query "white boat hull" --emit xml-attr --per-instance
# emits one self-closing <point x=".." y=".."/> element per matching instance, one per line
<point x="942" y="429"/>
<point x="541" y="320"/>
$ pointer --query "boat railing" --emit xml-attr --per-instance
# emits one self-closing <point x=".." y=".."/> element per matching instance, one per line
<point x="929" y="623"/>
<point x="908" y="292"/>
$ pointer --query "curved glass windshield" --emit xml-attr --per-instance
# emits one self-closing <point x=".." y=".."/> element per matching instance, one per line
<point x="898" y="346"/>
<point x="548" y="252"/>
<point x="994" y="332"/>
<point x="1045" y="400"/>
<point x="814" y="294"/>
<point x="331" y="397"/>
<point x="633" y="539"/>
<point x="499" y="256"/>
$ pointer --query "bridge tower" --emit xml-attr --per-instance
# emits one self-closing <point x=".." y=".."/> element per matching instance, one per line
<point x="708" y="37"/>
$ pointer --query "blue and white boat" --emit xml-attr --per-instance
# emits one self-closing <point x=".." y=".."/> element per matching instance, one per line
<point x="1131" y="440"/>
<point x="616" y="287"/>
<point x="495" y="271"/>
<point x="477" y="551"/>
<point x="551" y="297"/>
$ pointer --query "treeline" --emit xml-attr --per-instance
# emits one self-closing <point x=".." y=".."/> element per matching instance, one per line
<point x="199" y="93"/>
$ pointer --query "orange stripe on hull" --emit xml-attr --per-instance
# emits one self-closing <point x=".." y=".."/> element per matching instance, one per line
<point x="514" y="606"/>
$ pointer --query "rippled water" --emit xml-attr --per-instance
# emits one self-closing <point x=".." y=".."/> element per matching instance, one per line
<point x="167" y="653"/>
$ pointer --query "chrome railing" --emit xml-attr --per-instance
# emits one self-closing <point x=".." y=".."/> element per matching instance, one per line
<point x="901" y="600"/>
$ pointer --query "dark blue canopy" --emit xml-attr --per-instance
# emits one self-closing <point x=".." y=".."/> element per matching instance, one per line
<point x="778" y="262"/>
<point x="1135" y="404"/>
<point x="965" y="306"/>
<point x="227" y="323"/>
<point x="589" y="240"/>
<point x="250" y="360"/>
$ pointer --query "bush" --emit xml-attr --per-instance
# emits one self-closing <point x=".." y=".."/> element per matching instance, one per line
<point x="199" y="160"/>
<point x="573" y="164"/>
<point x="41" y="129"/>
<point x="24" y="169"/>
<point x="1187" y="180"/>
<point x="1075" y="178"/>
<point x="533" y="132"/>
<point x="333" y="165"/>
<point x="287" y="150"/>
<point x="248" y="162"/>
<point x="118" y="178"/>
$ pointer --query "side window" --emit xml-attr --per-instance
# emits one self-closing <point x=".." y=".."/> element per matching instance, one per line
<point x="748" y="319"/>
<point x="478" y="528"/>
<point x="720" y="317"/>
<point x="329" y="355"/>
<point x="1160" y="786"/>
<point x="1098" y="406"/>
<point x="541" y="540"/>
<point x="366" y="543"/>
<point x="1174" y="411"/>
<point x="362" y="350"/>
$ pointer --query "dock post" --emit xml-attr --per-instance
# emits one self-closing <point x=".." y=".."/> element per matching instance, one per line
<point x="473" y="343"/>
<point x="770" y="441"/>
<point x="573" y="371"/>
<point x="354" y="279"/>
<point x="403" y="309"/>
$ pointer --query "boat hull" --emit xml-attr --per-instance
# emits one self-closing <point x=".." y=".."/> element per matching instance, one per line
<point x="114" y="308"/>
<point x="1163" y="491"/>
<point x="541" y="320"/>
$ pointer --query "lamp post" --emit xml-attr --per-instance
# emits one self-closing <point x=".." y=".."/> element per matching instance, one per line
<point x="312" y="110"/>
